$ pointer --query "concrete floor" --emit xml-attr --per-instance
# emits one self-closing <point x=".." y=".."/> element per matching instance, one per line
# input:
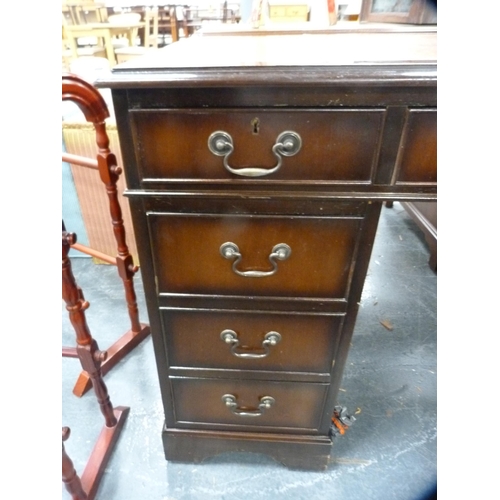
<point x="389" y="383"/>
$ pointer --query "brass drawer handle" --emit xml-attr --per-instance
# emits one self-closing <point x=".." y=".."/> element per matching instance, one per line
<point x="288" y="143"/>
<point x="265" y="403"/>
<point x="230" y="251"/>
<point x="231" y="337"/>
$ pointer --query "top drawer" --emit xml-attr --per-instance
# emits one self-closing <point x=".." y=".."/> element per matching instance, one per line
<point x="335" y="145"/>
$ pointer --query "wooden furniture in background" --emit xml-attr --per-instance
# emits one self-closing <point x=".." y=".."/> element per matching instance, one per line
<point x="168" y="26"/>
<point x="128" y="39"/>
<point x="425" y="216"/>
<point x="74" y="13"/>
<point x="87" y="351"/>
<point x="94" y="108"/>
<point x="151" y="34"/>
<point x="284" y="11"/>
<point x="256" y="177"/>
<point x="192" y="17"/>
<point x="106" y="32"/>
<point x="90" y="22"/>
<point x="390" y="11"/>
<point x="84" y="12"/>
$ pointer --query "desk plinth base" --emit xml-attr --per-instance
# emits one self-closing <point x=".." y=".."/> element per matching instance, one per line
<point x="295" y="452"/>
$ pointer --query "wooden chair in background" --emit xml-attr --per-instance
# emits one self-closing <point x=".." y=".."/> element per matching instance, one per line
<point x="123" y="19"/>
<point x="94" y="108"/>
<point x="168" y="24"/>
<point x="88" y="25"/>
<point x="84" y="12"/>
<point x="71" y="51"/>
<point x="150" y="37"/>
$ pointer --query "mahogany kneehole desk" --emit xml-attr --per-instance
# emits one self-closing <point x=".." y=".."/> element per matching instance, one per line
<point x="256" y="170"/>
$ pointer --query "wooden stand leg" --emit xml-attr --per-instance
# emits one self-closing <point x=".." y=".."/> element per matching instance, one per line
<point x="87" y="349"/>
<point x="69" y="476"/>
<point x="91" y="358"/>
<point x="101" y="453"/>
<point x="86" y="487"/>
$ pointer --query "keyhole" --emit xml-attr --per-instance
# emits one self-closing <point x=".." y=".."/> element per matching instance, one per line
<point x="255" y="125"/>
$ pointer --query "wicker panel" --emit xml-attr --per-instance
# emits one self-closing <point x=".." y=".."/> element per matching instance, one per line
<point x="79" y="139"/>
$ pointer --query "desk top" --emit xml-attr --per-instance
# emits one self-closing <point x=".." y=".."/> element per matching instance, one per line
<point x="309" y="58"/>
<point x="307" y="27"/>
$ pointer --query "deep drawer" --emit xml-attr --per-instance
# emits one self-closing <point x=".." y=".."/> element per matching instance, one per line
<point x="251" y="340"/>
<point x="295" y="405"/>
<point x="336" y="145"/>
<point x="194" y="254"/>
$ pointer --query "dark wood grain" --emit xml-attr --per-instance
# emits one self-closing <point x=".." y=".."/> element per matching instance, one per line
<point x="365" y="109"/>
<point x="187" y="257"/>
<point x="336" y="145"/>
<point x="307" y="341"/>
<point x="296" y="452"/>
<point x="198" y="403"/>
<point x="417" y="162"/>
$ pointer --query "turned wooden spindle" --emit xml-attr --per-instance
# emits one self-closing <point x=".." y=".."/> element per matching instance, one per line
<point x="95" y="110"/>
<point x="70" y="478"/>
<point x="87" y="349"/>
<point x="93" y="106"/>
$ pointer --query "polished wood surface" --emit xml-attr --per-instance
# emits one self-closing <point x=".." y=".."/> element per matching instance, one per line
<point x="336" y="144"/>
<point x="307" y="340"/>
<point x="364" y="105"/>
<point x="70" y="478"/>
<point x="187" y="259"/>
<point x="87" y="349"/>
<point x="418" y="155"/>
<point x="91" y="358"/>
<point x="199" y="404"/>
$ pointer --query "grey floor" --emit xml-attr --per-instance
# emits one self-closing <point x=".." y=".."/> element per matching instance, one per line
<point x="389" y="384"/>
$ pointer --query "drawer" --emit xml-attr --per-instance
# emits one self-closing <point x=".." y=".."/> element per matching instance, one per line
<point x="251" y="340"/>
<point x="294" y="405"/>
<point x="417" y="159"/>
<point x="336" y="145"/>
<point x="217" y="254"/>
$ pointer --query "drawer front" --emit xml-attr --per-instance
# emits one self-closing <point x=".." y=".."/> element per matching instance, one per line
<point x="336" y="145"/>
<point x="188" y="259"/>
<point x="251" y="340"/>
<point x="417" y="159"/>
<point x="295" y="405"/>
